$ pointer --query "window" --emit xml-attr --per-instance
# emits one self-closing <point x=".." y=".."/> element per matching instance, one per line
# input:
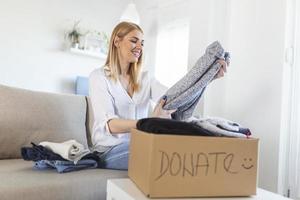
<point x="172" y="52"/>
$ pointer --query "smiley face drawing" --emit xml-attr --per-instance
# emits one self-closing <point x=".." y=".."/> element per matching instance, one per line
<point x="247" y="163"/>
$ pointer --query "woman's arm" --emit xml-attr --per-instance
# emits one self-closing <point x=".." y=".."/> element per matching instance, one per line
<point x="121" y="125"/>
<point x="103" y="105"/>
<point x="125" y="125"/>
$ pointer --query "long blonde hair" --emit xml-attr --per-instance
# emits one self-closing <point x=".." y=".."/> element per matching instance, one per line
<point x="112" y="64"/>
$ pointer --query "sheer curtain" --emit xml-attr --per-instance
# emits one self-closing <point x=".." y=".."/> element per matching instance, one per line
<point x="293" y="59"/>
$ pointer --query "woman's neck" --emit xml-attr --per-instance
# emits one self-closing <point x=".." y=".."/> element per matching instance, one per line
<point x="124" y="78"/>
<point x="124" y="68"/>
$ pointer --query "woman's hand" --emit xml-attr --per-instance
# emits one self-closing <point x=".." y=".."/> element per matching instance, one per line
<point x="222" y="70"/>
<point x="160" y="112"/>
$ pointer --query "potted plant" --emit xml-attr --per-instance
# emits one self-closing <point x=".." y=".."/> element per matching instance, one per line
<point x="74" y="35"/>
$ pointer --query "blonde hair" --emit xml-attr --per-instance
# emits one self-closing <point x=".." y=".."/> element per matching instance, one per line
<point x="112" y="64"/>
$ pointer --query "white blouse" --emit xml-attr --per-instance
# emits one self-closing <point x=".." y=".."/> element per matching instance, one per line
<point x="110" y="100"/>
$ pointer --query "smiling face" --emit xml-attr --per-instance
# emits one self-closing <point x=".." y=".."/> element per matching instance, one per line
<point x="130" y="47"/>
<point x="247" y="164"/>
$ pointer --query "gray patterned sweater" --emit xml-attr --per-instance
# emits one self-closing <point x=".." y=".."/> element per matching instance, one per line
<point x="186" y="93"/>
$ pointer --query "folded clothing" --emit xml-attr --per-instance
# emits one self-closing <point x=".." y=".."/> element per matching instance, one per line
<point x="170" y="126"/>
<point x="222" y="123"/>
<point x="221" y="127"/>
<point x="70" y="150"/>
<point x="38" y="152"/>
<point x="65" y="166"/>
<point x="193" y="126"/>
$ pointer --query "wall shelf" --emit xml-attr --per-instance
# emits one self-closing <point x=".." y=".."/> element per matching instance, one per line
<point x="90" y="53"/>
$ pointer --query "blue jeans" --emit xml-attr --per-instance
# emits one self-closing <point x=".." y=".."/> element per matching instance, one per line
<point x="116" y="157"/>
<point x="65" y="166"/>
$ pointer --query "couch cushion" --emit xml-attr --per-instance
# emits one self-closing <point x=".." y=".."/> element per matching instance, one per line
<point x="38" y="116"/>
<point x="19" y="180"/>
<point x="82" y="85"/>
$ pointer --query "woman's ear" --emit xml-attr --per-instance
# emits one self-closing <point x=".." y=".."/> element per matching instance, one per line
<point x="116" y="41"/>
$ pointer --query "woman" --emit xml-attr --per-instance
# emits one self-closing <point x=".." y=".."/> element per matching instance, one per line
<point x="120" y="94"/>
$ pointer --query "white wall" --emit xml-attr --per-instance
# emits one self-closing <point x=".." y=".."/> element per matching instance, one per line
<point x="32" y="41"/>
<point x="148" y="11"/>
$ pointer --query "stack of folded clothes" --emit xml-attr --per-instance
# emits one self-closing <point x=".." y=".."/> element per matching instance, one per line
<point x="64" y="157"/>
<point x="221" y="127"/>
<point x="211" y="126"/>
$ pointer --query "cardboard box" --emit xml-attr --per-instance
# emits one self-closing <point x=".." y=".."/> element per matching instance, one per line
<point x="192" y="166"/>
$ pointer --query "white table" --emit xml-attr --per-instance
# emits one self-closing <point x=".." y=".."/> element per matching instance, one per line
<point x="125" y="189"/>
